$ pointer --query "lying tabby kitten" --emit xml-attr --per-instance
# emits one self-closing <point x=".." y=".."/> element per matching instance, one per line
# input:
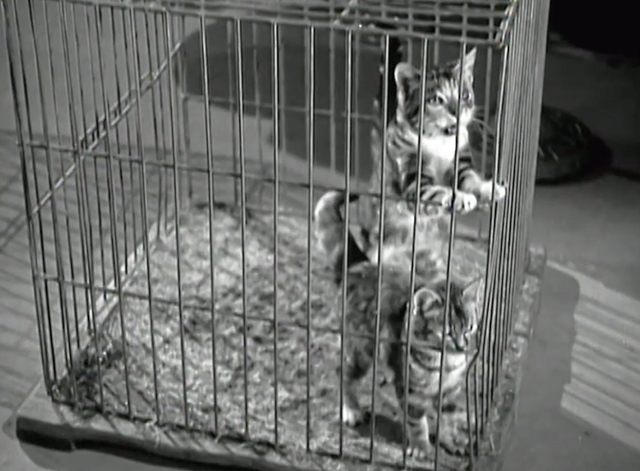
<point x="438" y="149"/>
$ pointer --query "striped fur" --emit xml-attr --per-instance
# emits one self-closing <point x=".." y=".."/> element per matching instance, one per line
<point x="427" y="342"/>
<point x="329" y="226"/>
<point x="438" y="149"/>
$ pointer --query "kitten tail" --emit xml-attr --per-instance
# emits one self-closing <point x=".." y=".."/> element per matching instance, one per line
<point x="329" y="226"/>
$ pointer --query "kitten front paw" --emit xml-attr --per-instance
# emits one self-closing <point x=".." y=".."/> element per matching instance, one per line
<point x="454" y="433"/>
<point x="419" y="445"/>
<point x="463" y="202"/>
<point x="486" y="191"/>
<point x="351" y="416"/>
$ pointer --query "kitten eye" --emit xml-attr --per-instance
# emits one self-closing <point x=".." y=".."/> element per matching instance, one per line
<point x="465" y="95"/>
<point x="435" y="100"/>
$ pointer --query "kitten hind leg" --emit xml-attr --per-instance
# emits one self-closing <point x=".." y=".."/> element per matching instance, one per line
<point x="355" y="368"/>
<point x="454" y="432"/>
<point x="419" y="445"/>
<point x="454" y="428"/>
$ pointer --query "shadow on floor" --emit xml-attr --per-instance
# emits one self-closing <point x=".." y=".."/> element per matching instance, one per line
<point x="546" y="437"/>
<point x="103" y="460"/>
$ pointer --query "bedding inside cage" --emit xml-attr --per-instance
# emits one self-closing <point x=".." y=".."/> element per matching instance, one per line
<point x="215" y="384"/>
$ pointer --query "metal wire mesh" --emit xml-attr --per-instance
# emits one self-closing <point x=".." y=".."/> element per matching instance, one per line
<point x="130" y="114"/>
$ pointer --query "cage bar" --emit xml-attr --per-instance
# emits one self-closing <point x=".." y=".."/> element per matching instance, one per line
<point x="275" y="50"/>
<point x="210" y="201"/>
<point x="347" y="185"/>
<point x="452" y="231"/>
<point x="383" y="153"/>
<point x="243" y="199"/>
<point x="311" y="89"/>
<point x="128" y="67"/>
<point x="145" y="217"/>
<point x="407" y="367"/>
<point x="105" y="124"/>
<point x="177" y="205"/>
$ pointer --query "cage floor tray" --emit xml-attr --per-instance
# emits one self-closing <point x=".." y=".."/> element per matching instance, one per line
<point x="296" y="387"/>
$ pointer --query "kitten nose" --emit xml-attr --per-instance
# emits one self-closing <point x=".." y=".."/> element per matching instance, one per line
<point x="450" y="130"/>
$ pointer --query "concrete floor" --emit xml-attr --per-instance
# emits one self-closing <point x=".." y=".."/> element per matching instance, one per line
<point x="572" y="414"/>
<point x="580" y="395"/>
<point x="590" y="230"/>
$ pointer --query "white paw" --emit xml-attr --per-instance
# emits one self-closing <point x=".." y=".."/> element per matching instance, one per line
<point x="419" y="449"/>
<point x="350" y="416"/>
<point x="419" y="445"/>
<point x="463" y="203"/>
<point x="487" y="191"/>
<point x="454" y="433"/>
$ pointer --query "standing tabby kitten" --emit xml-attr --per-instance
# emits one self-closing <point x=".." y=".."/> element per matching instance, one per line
<point x="427" y="321"/>
<point x="425" y="356"/>
<point x="438" y="148"/>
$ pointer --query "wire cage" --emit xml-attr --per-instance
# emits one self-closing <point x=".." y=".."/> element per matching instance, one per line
<point x="172" y="153"/>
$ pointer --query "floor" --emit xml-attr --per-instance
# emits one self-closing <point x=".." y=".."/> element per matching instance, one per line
<point x="580" y="401"/>
<point x="578" y="407"/>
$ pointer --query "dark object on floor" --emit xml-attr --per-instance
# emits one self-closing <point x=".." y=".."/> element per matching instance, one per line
<point x="568" y="149"/>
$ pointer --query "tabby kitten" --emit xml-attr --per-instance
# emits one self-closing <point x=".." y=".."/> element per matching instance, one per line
<point x="438" y="136"/>
<point x="425" y="355"/>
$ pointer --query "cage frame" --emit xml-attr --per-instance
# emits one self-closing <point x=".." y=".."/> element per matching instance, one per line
<point x="179" y="139"/>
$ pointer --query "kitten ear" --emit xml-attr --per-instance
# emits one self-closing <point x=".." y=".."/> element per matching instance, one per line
<point x="406" y="76"/>
<point x="423" y="301"/>
<point x="469" y="64"/>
